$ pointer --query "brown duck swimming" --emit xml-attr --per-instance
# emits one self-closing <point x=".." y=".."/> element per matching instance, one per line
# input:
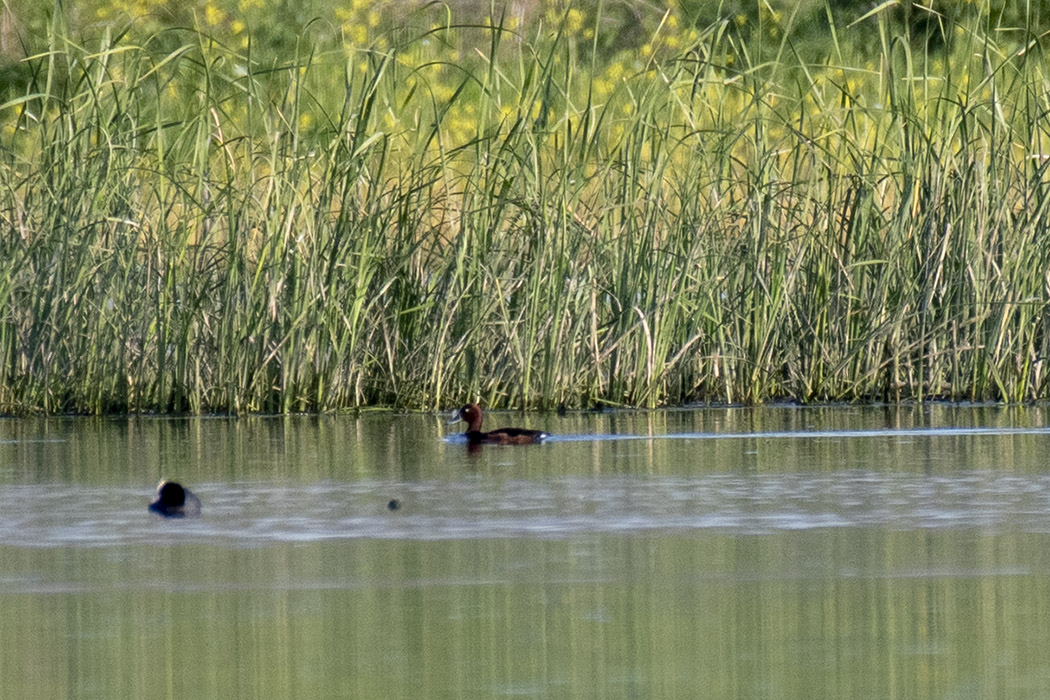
<point x="471" y="413"/>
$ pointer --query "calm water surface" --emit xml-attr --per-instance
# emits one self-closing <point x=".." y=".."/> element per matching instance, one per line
<point x="793" y="553"/>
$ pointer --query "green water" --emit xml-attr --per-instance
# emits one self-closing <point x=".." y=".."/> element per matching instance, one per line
<point x="731" y="553"/>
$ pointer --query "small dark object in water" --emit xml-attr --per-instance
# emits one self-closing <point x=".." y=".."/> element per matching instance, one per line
<point x="471" y="413"/>
<point x="175" y="501"/>
<point x="394" y="504"/>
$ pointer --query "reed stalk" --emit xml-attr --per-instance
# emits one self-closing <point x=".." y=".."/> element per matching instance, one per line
<point x="189" y="229"/>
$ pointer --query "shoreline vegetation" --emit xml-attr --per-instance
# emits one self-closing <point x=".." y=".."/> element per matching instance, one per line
<point x="576" y="204"/>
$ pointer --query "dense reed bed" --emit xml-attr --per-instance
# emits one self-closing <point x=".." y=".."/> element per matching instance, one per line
<point x="187" y="230"/>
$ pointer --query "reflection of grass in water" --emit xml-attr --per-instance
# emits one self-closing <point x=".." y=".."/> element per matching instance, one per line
<point x="190" y="231"/>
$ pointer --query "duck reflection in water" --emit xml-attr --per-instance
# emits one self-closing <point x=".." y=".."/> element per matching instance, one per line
<point x="471" y="413"/>
<point x="175" y="501"/>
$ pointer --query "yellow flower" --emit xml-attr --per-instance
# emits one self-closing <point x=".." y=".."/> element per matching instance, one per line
<point x="213" y="15"/>
<point x="574" y="21"/>
<point x="358" y="34"/>
<point x="443" y="93"/>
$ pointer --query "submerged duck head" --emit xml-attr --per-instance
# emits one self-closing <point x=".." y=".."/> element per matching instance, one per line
<point x="175" y="501"/>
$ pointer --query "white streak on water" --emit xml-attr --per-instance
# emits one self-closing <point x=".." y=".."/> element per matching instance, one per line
<point x="810" y="434"/>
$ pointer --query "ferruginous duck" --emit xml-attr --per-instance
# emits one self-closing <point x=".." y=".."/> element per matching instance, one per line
<point x="471" y="413"/>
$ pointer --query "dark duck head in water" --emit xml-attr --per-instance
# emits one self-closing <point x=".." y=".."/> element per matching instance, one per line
<point x="471" y="413"/>
<point x="175" y="501"/>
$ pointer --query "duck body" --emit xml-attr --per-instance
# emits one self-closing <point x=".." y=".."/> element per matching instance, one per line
<point x="175" y="501"/>
<point x="471" y="413"/>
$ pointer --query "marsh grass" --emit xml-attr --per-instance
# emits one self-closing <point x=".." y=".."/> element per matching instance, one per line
<point x="188" y="231"/>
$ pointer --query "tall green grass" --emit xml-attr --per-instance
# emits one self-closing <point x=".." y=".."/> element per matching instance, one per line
<point x="189" y="230"/>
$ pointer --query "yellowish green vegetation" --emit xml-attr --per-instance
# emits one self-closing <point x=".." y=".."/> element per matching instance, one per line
<point x="242" y="205"/>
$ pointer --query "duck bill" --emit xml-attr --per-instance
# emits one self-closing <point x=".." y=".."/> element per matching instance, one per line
<point x="455" y="417"/>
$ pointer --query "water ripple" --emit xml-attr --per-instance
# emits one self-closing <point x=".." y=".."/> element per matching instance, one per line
<point x="257" y="514"/>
